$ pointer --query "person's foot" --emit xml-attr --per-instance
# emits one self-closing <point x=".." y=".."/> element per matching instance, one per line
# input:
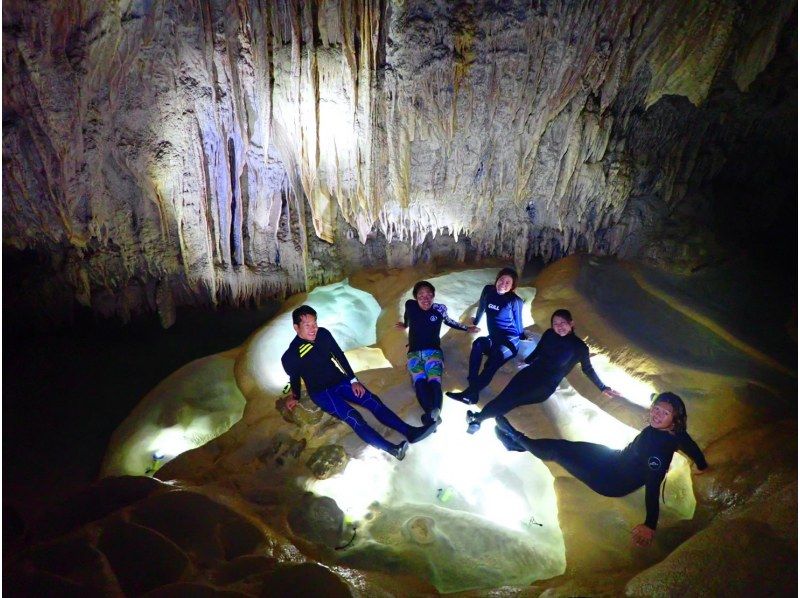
<point x="465" y="396"/>
<point x="431" y="418"/>
<point x="473" y="423"/>
<point x="507" y="440"/>
<point x="399" y="451"/>
<point x="422" y="432"/>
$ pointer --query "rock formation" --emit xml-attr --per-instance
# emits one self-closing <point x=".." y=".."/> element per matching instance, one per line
<point x="163" y="153"/>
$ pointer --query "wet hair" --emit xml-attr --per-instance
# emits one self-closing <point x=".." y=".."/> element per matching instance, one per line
<point x="679" y="415"/>
<point x="420" y="285"/>
<point x="508" y="272"/>
<point x="303" y="310"/>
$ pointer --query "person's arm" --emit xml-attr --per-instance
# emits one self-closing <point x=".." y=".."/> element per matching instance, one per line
<point x="338" y="354"/>
<point x="481" y="307"/>
<point x="517" y="309"/>
<point x="689" y="446"/>
<point x="448" y="320"/>
<point x="404" y="324"/>
<point x="290" y="366"/>
<point x="642" y="534"/>
<point x="588" y="371"/>
<point x="536" y="353"/>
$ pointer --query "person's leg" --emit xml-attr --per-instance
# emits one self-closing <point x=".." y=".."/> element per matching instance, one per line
<point x="332" y="402"/>
<point x="434" y="367"/>
<point x="388" y="417"/>
<point x="595" y="465"/>
<point x="498" y="355"/>
<point x="416" y="367"/>
<point x="480" y="347"/>
<point x="526" y="388"/>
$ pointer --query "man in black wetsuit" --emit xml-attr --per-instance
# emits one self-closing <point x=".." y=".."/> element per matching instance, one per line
<point x="316" y="357"/>
<point x="644" y="462"/>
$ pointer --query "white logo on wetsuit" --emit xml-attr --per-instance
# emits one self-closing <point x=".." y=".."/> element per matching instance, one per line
<point x="654" y="463"/>
<point x="433" y="318"/>
<point x="494" y="307"/>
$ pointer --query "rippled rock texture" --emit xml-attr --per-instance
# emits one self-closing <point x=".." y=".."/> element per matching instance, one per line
<point x="160" y="153"/>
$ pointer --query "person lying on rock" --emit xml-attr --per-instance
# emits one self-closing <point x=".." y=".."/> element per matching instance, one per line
<point x="555" y="355"/>
<point x="503" y="309"/>
<point x="316" y="357"/>
<point x="644" y="462"/>
<point x="424" y="319"/>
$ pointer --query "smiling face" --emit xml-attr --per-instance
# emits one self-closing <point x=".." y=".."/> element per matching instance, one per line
<point x="561" y="326"/>
<point x="504" y="284"/>
<point x="661" y="416"/>
<point x="307" y="328"/>
<point x="424" y="298"/>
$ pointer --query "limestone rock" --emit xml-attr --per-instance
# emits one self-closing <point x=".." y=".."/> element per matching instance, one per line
<point x="317" y="519"/>
<point x="305" y="413"/>
<point x="327" y="461"/>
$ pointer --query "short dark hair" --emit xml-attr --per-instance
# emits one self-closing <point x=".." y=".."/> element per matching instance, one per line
<point x="303" y="310"/>
<point x="508" y="272"/>
<point x="679" y="415"/>
<point x="421" y="284"/>
<point x="561" y="313"/>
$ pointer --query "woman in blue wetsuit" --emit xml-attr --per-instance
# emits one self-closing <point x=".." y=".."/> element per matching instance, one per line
<point x="503" y="309"/>
<point x="558" y="351"/>
<point x="424" y="320"/>
<point x="644" y="462"/>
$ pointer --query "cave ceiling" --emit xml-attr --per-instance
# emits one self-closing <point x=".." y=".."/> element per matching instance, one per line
<point x="161" y="153"/>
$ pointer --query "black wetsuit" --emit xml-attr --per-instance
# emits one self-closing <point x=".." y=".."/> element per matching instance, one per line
<point x="425" y="326"/>
<point x="330" y="387"/>
<point x="504" y="320"/>
<point x="644" y="462"/>
<point x="551" y="360"/>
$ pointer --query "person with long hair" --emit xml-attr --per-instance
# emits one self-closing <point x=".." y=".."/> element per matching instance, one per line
<point x="503" y="309"/>
<point x="644" y="462"/>
<point x="555" y="355"/>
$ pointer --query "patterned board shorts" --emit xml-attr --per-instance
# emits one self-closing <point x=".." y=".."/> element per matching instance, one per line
<point x="427" y="363"/>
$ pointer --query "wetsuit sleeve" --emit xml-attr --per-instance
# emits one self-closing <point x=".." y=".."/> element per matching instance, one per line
<point x="690" y="448"/>
<point x="651" y="487"/>
<point x="338" y="355"/>
<point x="290" y="366"/>
<point x="588" y="370"/>
<point x="536" y="350"/>
<point x="405" y="315"/>
<point x="447" y="319"/>
<point x="481" y="307"/>
<point x="517" y="309"/>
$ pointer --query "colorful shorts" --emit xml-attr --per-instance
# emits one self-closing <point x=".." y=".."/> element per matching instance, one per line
<point x="427" y="363"/>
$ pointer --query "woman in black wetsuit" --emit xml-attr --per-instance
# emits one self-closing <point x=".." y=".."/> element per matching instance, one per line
<point x="556" y="354"/>
<point x="644" y="462"/>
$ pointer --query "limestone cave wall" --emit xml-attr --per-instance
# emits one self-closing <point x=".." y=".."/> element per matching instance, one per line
<point x="161" y="153"/>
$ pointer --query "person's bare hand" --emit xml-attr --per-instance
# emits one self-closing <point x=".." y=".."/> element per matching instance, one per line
<point x="610" y="392"/>
<point x="642" y="535"/>
<point x="473" y="329"/>
<point x="696" y="471"/>
<point x="358" y="389"/>
<point x="291" y="402"/>
<point x="400" y="326"/>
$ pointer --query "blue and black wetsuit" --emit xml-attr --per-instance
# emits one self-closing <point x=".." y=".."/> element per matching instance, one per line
<point x="327" y="374"/>
<point x="504" y="320"/>
<point x="644" y="462"/>
<point x="425" y="357"/>
<point x="550" y="361"/>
